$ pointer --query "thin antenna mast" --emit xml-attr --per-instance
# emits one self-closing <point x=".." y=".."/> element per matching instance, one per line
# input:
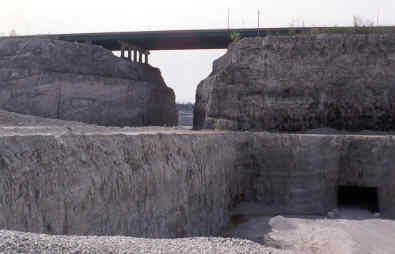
<point x="228" y="19"/>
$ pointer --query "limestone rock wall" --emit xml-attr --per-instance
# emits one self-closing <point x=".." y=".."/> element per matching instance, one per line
<point x="65" y="181"/>
<point x="299" y="174"/>
<point x="368" y="162"/>
<point x="295" y="83"/>
<point x="139" y="185"/>
<point x="81" y="82"/>
<point x="296" y="174"/>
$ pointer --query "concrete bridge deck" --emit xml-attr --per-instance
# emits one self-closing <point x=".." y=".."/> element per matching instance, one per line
<point x="184" y="39"/>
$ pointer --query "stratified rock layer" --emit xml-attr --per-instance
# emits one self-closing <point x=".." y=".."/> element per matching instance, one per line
<point x="81" y="82"/>
<point x="171" y="183"/>
<point x="302" y="82"/>
<point x="109" y="184"/>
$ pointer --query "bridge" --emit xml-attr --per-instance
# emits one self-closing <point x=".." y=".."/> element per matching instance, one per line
<point x="136" y="45"/>
<point x="168" y="40"/>
<point x="140" y="43"/>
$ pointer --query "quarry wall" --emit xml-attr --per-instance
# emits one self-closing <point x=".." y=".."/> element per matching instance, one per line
<point x="173" y="185"/>
<point x="82" y="82"/>
<point x="63" y="178"/>
<point x="295" y="83"/>
<point x="141" y="185"/>
<point x="299" y="174"/>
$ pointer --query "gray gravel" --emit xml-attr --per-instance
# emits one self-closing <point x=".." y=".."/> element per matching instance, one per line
<point x="20" y="242"/>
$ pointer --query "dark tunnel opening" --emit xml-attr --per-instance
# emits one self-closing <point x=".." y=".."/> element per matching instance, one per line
<point x="358" y="197"/>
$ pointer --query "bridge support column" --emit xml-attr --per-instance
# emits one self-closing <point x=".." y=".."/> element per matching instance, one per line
<point x="138" y="53"/>
<point x="146" y="54"/>
<point x="140" y="57"/>
<point x="129" y="55"/>
<point x="135" y="55"/>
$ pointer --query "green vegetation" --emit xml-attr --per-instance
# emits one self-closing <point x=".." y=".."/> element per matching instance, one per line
<point x="321" y="30"/>
<point x="360" y="25"/>
<point x="235" y="36"/>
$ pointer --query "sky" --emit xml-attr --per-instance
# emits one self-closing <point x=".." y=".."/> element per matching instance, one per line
<point x="183" y="70"/>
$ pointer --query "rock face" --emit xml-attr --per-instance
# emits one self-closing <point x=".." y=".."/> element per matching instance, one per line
<point x="295" y="174"/>
<point x="103" y="184"/>
<point x="168" y="183"/>
<point x="301" y="82"/>
<point x="81" y="82"/>
<point x="300" y="174"/>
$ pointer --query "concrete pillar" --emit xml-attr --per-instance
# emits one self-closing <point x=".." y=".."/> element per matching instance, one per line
<point x="135" y="55"/>
<point x="122" y="53"/>
<point x="146" y="58"/>
<point x="140" y="57"/>
<point x="129" y="55"/>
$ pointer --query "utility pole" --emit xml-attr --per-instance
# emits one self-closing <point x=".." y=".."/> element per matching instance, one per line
<point x="228" y="19"/>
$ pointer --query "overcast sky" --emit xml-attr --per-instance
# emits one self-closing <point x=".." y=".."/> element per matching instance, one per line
<point x="182" y="70"/>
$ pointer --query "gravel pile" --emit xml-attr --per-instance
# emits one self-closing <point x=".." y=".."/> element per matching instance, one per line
<point x="20" y="242"/>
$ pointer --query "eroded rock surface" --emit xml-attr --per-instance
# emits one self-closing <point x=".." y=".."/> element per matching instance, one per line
<point x="298" y="83"/>
<point x="172" y="183"/>
<point x="81" y="82"/>
<point x="108" y="183"/>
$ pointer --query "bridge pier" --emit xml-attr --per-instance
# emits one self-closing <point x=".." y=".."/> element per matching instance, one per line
<point x="140" y="56"/>
<point x="134" y="55"/>
<point x="138" y="53"/>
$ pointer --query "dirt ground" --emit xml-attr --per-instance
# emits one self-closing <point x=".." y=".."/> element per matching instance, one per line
<point x="353" y="231"/>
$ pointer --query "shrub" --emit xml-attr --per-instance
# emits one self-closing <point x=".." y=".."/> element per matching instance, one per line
<point x="234" y="36"/>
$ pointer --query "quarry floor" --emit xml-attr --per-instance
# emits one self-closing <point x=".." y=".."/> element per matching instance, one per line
<point x="354" y="230"/>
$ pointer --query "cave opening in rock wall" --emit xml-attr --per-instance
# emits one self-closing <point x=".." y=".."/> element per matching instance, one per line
<point x="358" y="197"/>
